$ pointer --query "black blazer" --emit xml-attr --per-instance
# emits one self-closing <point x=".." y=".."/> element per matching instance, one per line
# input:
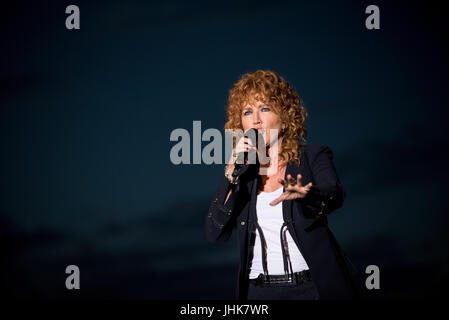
<point x="332" y="272"/>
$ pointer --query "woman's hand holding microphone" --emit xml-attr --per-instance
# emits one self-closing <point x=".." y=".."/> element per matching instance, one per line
<point x="243" y="145"/>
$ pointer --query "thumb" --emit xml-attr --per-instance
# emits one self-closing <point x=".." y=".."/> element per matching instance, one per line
<point x="276" y="201"/>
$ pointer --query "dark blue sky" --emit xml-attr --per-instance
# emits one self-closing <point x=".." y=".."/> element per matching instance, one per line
<point x="86" y="117"/>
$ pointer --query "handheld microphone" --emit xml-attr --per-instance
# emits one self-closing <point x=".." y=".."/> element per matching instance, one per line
<point x="242" y="157"/>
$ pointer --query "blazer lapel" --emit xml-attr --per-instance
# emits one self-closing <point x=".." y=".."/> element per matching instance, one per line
<point x="287" y="209"/>
<point x="252" y="214"/>
<point x="287" y="204"/>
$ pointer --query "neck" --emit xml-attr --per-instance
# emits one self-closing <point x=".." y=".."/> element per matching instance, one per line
<point x="274" y="157"/>
<point x="273" y="170"/>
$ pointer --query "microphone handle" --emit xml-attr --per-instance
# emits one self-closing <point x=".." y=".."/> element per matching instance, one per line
<point x="238" y="166"/>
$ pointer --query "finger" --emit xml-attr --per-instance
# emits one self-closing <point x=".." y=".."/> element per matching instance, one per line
<point x="276" y="201"/>
<point x="241" y="149"/>
<point x="299" y="179"/>
<point x="291" y="181"/>
<point x="246" y="141"/>
<point x="243" y="140"/>
<point x="305" y="190"/>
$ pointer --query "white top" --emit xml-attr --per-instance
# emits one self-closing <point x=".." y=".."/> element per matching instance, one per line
<point x="270" y="220"/>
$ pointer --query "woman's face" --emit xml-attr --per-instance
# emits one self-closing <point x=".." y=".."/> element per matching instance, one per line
<point x="260" y="116"/>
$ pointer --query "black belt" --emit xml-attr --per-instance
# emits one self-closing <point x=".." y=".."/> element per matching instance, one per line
<point x="295" y="278"/>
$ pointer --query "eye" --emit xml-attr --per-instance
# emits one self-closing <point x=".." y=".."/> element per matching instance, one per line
<point x="247" y="112"/>
<point x="266" y="109"/>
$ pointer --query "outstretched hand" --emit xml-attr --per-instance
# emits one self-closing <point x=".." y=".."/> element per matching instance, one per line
<point x="293" y="189"/>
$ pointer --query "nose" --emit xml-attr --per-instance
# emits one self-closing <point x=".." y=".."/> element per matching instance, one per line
<point x="256" y="118"/>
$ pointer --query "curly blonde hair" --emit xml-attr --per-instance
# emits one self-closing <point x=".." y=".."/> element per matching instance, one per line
<point x="270" y="88"/>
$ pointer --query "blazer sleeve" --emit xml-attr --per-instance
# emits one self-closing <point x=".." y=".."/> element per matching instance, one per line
<point x="327" y="194"/>
<point x="221" y="220"/>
